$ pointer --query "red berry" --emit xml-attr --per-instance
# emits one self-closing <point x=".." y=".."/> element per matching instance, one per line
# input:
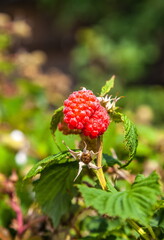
<point x="82" y="110"/>
<point x="97" y="124"/>
<point x="78" y="107"/>
<point x="63" y="127"/>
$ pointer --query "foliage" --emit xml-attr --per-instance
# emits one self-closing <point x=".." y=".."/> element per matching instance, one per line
<point x="130" y="137"/>
<point x="62" y="157"/>
<point x="56" y="118"/>
<point x="109" y="84"/>
<point x="130" y="134"/>
<point x="134" y="203"/>
<point x="55" y="199"/>
<point x="133" y="206"/>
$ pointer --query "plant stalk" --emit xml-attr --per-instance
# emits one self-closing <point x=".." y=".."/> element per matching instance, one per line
<point x="151" y="232"/>
<point x="99" y="172"/>
<point x="139" y="229"/>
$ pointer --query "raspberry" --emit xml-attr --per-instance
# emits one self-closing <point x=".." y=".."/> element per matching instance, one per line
<point x="63" y="127"/>
<point x="79" y="107"/>
<point x="97" y="124"/>
<point x="83" y="111"/>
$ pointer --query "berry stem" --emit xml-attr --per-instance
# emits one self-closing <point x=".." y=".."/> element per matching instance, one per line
<point x="138" y="229"/>
<point x="100" y="149"/>
<point x="99" y="172"/>
<point x="151" y="232"/>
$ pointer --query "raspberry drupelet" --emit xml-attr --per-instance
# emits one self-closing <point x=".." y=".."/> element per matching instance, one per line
<point x="97" y="124"/>
<point x="82" y="110"/>
<point x="63" y="127"/>
<point x="79" y="107"/>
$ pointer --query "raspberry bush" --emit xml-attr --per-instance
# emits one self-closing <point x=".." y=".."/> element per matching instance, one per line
<point x="126" y="212"/>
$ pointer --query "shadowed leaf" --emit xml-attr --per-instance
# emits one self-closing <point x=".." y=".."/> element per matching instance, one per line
<point x="54" y="190"/>
<point x="109" y="161"/>
<point x="56" y="118"/>
<point x="130" y="134"/>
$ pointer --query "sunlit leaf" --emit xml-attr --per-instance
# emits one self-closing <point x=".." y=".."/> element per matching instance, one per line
<point x="56" y="118"/>
<point x="61" y="157"/>
<point x="136" y="203"/>
<point x="131" y="137"/>
<point x="107" y="87"/>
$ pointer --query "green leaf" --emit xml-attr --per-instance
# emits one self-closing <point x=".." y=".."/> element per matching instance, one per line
<point x="130" y="135"/>
<point x="109" y="161"/>
<point x="100" y="227"/>
<point x="109" y="185"/>
<point x="135" y="203"/>
<point x="56" y="118"/>
<point x="160" y="204"/>
<point x="131" y="138"/>
<point x="116" y="116"/>
<point x="70" y="140"/>
<point x="54" y="190"/>
<point x="107" y="87"/>
<point x="61" y="157"/>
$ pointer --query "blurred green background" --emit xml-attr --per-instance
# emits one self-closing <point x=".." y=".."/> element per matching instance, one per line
<point x="48" y="48"/>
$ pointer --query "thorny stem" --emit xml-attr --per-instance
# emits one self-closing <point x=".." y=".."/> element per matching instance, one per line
<point x="21" y="229"/>
<point x="16" y="208"/>
<point x="20" y="226"/>
<point x="33" y="222"/>
<point x="99" y="172"/>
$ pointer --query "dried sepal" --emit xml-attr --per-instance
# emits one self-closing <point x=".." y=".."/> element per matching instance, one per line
<point x="108" y="102"/>
<point x="84" y="157"/>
